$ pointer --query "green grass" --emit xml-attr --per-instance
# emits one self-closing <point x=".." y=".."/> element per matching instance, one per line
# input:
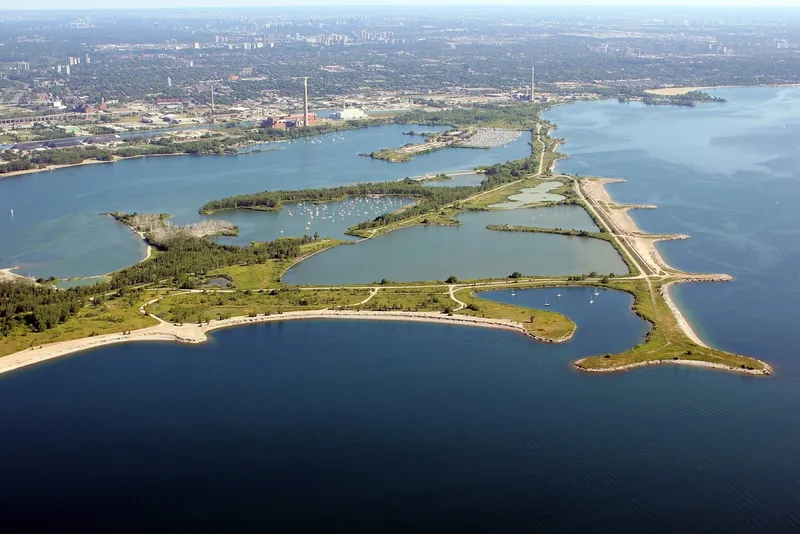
<point x="268" y="275"/>
<point x="436" y="299"/>
<point x="194" y="307"/>
<point x="665" y="341"/>
<point x="542" y="324"/>
<point x="560" y="231"/>
<point x="113" y="316"/>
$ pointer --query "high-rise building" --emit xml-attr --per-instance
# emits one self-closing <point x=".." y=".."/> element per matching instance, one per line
<point x="23" y="66"/>
<point x="169" y="81"/>
<point x="87" y="59"/>
<point x="66" y="70"/>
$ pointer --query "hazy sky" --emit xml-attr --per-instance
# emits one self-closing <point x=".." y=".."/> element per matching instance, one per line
<point x="128" y="4"/>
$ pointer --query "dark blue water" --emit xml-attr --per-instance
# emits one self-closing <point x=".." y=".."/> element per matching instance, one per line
<point x="56" y="229"/>
<point x="383" y="426"/>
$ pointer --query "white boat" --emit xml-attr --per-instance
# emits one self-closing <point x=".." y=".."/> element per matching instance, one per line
<point x="545" y="302"/>
<point x="596" y="292"/>
<point x="591" y="301"/>
<point x="290" y="212"/>
<point x="512" y="293"/>
<point x="12" y="212"/>
<point x="558" y="296"/>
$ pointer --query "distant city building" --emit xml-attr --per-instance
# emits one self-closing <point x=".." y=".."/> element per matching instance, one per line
<point x="783" y="44"/>
<point x="66" y="70"/>
<point x="289" y="121"/>
<point x="349" y="114"/>
<point x="169" y="81"/>
<point x="23" y="66"/>
<point x="87" y="59"/>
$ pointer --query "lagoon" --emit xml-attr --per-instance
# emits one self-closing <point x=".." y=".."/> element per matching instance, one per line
<point x="466" y="251"/>
<point x="56" y="228"/>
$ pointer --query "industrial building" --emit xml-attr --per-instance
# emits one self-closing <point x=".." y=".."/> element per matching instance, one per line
<point x="349" y="114"/>
<point x="288" y="121"/>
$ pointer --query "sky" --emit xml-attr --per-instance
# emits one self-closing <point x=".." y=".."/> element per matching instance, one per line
<point x="150" y="4"/>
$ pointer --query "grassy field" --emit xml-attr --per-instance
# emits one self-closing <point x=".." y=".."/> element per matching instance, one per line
<point x="115" y="314"/>
<point x="501" y="195"/>
<point x="412" y="299"/>
<point x="665" y="341"/>
<point x="543" y="324"/>
<point x="560" y="231"/>
<point x="194" y="307"/>
<point x="268" y="275"/>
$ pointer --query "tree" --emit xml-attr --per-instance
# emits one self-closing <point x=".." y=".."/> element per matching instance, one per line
<point x="515" y="274"/>
<point x="451" y="280"/>
<point x="316" y="236"/>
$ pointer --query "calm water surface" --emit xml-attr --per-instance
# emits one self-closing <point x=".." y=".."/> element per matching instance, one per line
<point x="729" y="176"/>
<point x="468" y="250"/>
<point x="56" y="229"/>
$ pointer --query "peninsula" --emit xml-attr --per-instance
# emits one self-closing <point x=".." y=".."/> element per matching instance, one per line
<point x="192" y="285"/>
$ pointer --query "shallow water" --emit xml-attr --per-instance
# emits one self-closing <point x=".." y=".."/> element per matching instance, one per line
<point x="529" y="195"/>
<point x="468" y="250"/>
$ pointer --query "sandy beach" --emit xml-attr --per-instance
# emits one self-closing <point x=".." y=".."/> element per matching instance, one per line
<point x="194" y="333"/>
<point x="672" y="91"/>
<point x="644" y="246"/>
<point x="9" y="274"/>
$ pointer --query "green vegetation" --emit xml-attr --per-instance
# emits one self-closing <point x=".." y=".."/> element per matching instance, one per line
<point x="184" y="260"/>
<point x="41" y="315"/>
<point x="268" y="274"/>
<point x="432" y="299"/>
<point x="392" y="155"/>
<point x="536" y="229"/>
<point x="665" y="340"/>
<point x="214" y="305"/>
<point x="512" y="116"/>
<point x="541" y="324"/>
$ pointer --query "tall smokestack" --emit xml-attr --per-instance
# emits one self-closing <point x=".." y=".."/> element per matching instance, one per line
<point x="533" y="82"/>
<point x="305" y="101"/>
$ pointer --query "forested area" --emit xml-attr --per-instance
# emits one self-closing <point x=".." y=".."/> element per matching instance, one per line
<point x="522" y="116"/>
<point x="274" y="200"/>
<point x="39" y="306"/>
<point x="184" y="257"/>
<point x="428" y="198"/>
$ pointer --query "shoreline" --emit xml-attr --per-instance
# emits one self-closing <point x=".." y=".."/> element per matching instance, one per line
<point x="115" y="159"/>
<point x="767" y="371"/>
<point x="194" y="333"/>
<point x="647" y="251"/>
<point x="9" y="274"/>
<point x="675" y="91"/>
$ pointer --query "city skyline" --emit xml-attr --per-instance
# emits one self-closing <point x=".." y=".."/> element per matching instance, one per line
<point x="175" y="4"/>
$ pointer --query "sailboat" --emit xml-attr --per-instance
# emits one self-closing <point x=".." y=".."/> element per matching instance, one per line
<point x="12" y="212"/>
<point x="290" y="212"/>
<point x="558" y="296"/>
<point x="512" y="293"/>
<point x="596" y="292"/>
<point x="545" y="302"/>
<point x="591" y="301"/>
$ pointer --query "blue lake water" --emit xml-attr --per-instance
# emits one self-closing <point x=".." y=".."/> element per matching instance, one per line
<point x="385" y="426"/>
<point x="729" y="176"/>
<point x="56" y="229"/>
<point x="468" y="250"/>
